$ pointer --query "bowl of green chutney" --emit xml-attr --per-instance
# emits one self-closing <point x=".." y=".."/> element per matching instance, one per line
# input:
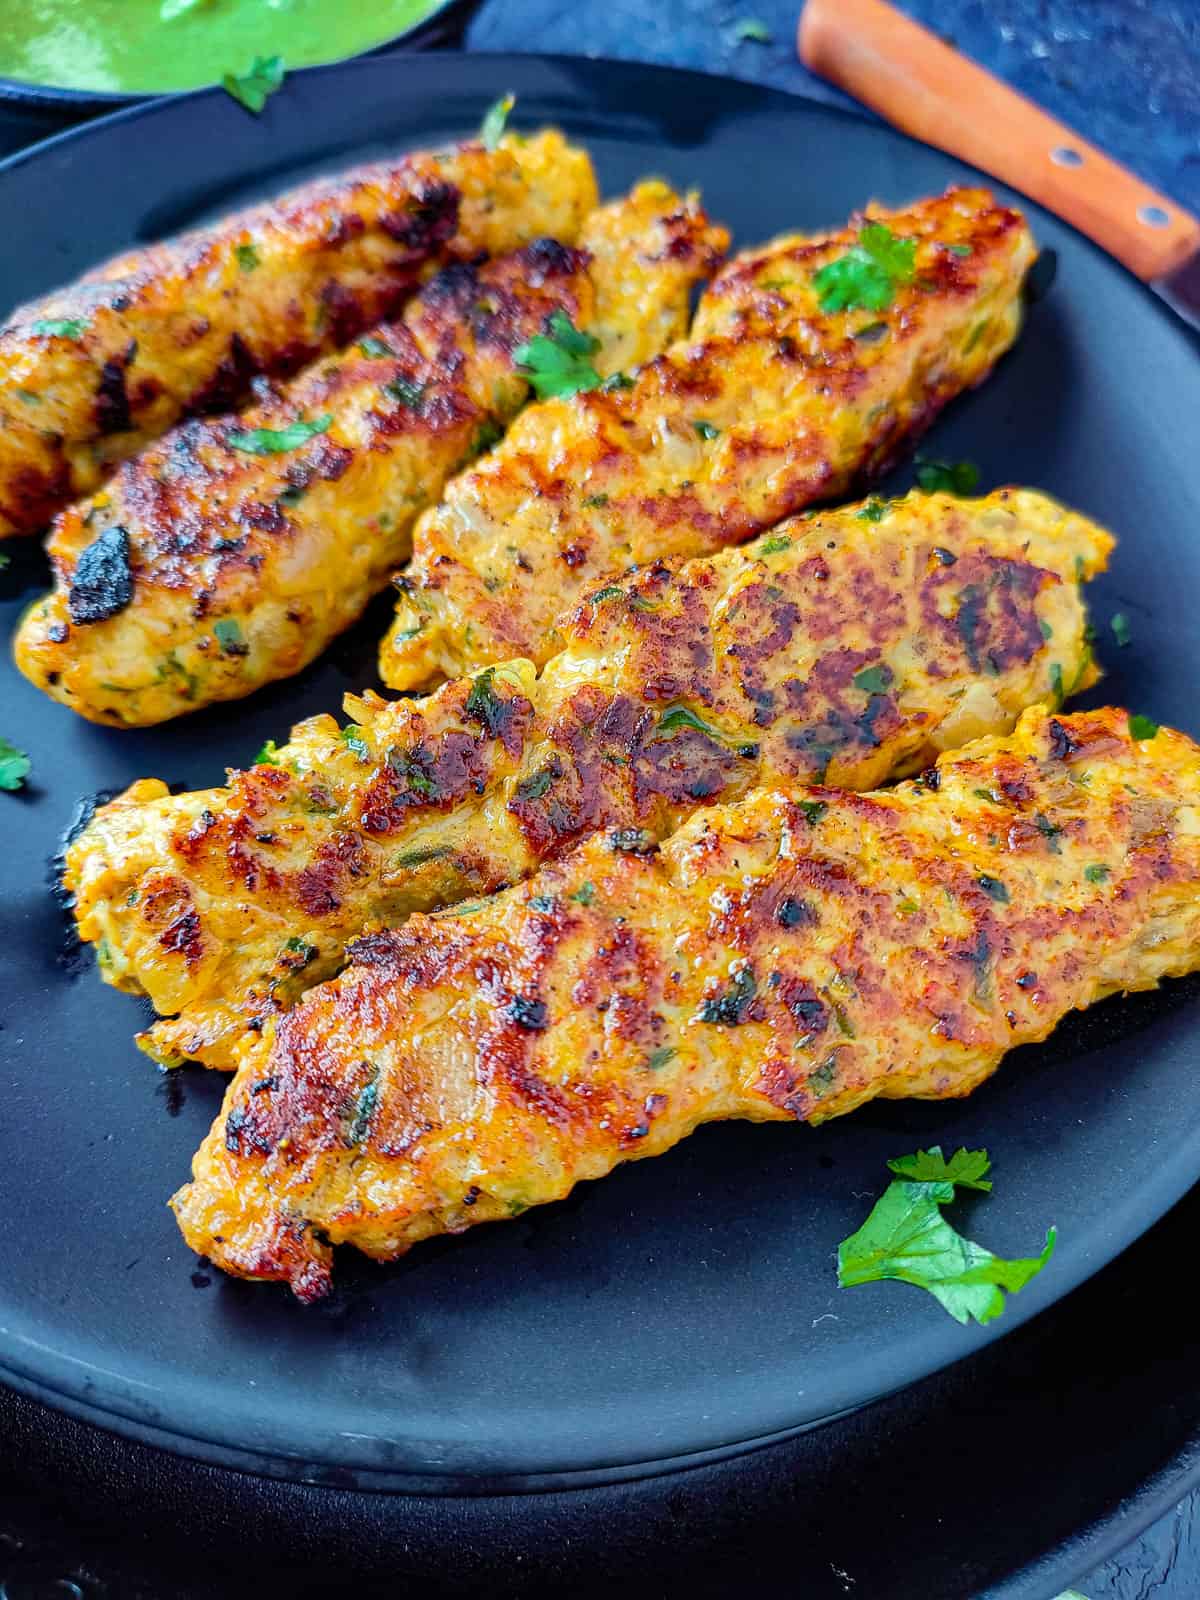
<point x="71" y="58"/>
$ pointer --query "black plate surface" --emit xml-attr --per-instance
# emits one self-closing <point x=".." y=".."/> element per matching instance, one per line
<point x="687" y="1304"/>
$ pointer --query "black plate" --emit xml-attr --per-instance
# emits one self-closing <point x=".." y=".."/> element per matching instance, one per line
<point x="685" y="1305"/>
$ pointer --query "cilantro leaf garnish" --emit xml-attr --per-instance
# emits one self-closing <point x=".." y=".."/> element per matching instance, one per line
<point x="967" y="1168"/>
<point x="494" y="121"/>
<point x="752" y="29"/>
<point x="247" y="257"/>
<point x="374" y="348"/>
<point x="874" y="510"/>
<point x="274" y="441"/>
<point x="61" y="327"/>
<point x="14" y="766"/>
<point x="946" y="477"/>
<point x="706" y="429"/>
<point x="268" y="756"/>
<point x="229" y="636"/>
<point x="556" y="362"/>
<point x="1121" y="629"/>
<point x="484" y="705"/>
<point x="729" y="1010"/>
<point x="352" y="738"/>
<point x="680" y="716"/>
<point x="254" y="88"/>
<point x="1141" y="727"/>
<point x="684" y="717"/>
<point x="418" y="858"/>
<point x="906" y="1237"/>
<point x="535" y="785"/>
<point x="408" y="393"/>
<point x="870" y="272"/>
<point x="873" y="680"/>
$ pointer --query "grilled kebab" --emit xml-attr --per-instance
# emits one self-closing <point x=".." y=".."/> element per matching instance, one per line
<point x="785" y="957"/>
<point x="92" y="372"/>
<point x="230" y="552"/>
<point x="786" y="392"/>
<point x="848" y="646"/>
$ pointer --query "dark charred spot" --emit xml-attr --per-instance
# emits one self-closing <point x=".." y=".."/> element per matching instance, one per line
<point x="375" y="950"/>
<point x="532" y="1015"/>
<point x="343" y="312"/>
<point x="243" y="1136"/>
<point x="230" y="378"/>
<point x="880" y="719"/>
<point x="995" y="623"/>
<point x="320" y="886"/>
<point x="330" y="459"/>
<point x="102" y="584"/>
<point x="547" y="258"/>
<point x="808" y="1010"/>
<point x="633" y="841"/>
<point x="793" y="913"/>
<point x="112" y="402"/>
<point x="456" y="286"/>
<point x="429" y="220"/>
<point x="1062" y="745"/>
<point x="342" y="226"/>
<point x="436" y="771"/>
<point x="183" y="937"/>
<point x="735" y="1005"/>
<point x="931" y="778"/>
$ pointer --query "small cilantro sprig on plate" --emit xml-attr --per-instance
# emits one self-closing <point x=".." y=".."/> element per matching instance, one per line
<point x="868" y="275"/>
<point x="752" y="30"/>
<point x="946" y="477"/>
<point x="907" y="1237"/>
<point x="14" y="766"/>
<point x="556" y="362"/>
<point x="495" y="121"/>
<point x="254" y="88"/>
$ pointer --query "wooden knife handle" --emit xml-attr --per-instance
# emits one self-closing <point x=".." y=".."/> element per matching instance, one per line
<point x="926" y="89"/>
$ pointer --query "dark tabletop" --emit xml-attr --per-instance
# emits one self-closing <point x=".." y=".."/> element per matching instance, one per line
<point x="1126" y="73"/>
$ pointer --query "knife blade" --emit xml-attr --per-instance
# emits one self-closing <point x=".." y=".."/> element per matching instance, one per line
<point x="924" y="87"/>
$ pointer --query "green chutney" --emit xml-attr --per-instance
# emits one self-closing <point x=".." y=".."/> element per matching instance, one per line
<point x="150" y="46"/>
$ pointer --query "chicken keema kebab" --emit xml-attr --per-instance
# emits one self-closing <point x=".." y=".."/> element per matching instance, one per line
<point x="810" y="365"/>
<point x="94" y="371"/>
<point x="849" y="645"/>
<point x="787" y="957"/>
<point x="229" y="553"/>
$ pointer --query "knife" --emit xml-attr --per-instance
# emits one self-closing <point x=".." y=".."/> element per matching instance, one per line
<point x="925" y="88"/>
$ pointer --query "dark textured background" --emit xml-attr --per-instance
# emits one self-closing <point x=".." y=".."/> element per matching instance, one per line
<point x="1126" y="73"/>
